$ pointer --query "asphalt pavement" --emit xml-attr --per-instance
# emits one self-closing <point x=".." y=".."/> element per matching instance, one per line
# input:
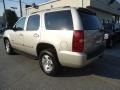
<point x="1" y="35"/>
<point x="19" y="72"/>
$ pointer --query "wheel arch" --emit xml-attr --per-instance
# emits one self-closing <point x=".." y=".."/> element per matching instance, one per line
<point x="42" y="46"/>
<point x="4" y="38"/>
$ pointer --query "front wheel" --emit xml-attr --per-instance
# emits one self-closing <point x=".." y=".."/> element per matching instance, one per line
<point x="48" y="62"/>
<point x="8" y="47"/>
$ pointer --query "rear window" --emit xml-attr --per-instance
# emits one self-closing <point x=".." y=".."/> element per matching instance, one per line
<point x="59" y="20"/>
<point x="90" y="21"/>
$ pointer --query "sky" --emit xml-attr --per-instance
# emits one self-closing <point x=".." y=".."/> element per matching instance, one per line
<point x="15" y="3"/>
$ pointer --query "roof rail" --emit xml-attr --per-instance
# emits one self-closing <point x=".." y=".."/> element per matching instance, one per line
<point x="51" y="9"/>
<point x="66" y="6"/>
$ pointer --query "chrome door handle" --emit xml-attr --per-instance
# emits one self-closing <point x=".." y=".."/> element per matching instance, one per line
<point x="36" y="35"/>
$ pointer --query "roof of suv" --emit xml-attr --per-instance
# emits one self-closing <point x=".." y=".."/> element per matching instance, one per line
<point x="84" y="10"/>
<point x="54" y="9"/>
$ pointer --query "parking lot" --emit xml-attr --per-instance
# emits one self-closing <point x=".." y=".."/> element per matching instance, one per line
<point x="22" y="72"/>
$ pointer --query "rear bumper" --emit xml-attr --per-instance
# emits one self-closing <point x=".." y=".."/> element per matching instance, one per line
<point x="75" y="60"/>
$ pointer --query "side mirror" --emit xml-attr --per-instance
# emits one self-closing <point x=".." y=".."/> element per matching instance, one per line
<point x="14" y="28"/>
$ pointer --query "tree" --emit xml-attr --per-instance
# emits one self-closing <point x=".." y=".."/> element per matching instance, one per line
<point x="11" y="18"/>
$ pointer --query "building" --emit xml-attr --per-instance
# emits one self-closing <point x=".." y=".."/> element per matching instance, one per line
<point x="106" y="10"/>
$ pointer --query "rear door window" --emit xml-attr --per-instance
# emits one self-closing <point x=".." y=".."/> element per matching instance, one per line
<point x="59" y="20"/>
<point x="33" y="23"/>
<point x="90" y="21"/>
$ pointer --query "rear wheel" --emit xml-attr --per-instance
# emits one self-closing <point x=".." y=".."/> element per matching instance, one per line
<point x="48" y="62"/>
<point x="8" y="47"/>
<point x="109" y="43"/>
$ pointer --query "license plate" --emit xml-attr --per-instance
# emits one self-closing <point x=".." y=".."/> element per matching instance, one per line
<point x="106" y="36"/>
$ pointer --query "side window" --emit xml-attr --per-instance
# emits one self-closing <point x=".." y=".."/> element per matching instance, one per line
<point x="59" y="20"/>
<point x="33" y="23"/>
<point x="19" y="26"/>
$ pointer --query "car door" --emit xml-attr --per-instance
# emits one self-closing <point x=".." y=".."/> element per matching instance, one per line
<point x="32" y="34"/>
<point x="19" y="33"/>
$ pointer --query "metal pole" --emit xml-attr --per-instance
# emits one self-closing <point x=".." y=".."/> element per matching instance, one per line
<point x="20" y="8"/>
<point x="5" y="12"/>
<point x="82" y="3"/>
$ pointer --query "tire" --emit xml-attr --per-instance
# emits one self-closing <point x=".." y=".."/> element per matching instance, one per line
<point x="8" y="47"/>
<point x="49" y="63"/>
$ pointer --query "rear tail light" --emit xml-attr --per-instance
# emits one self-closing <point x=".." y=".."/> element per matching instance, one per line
<point x="78" y="41"/>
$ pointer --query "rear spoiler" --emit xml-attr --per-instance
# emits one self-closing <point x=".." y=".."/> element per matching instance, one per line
<point x="87" y="11"/>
